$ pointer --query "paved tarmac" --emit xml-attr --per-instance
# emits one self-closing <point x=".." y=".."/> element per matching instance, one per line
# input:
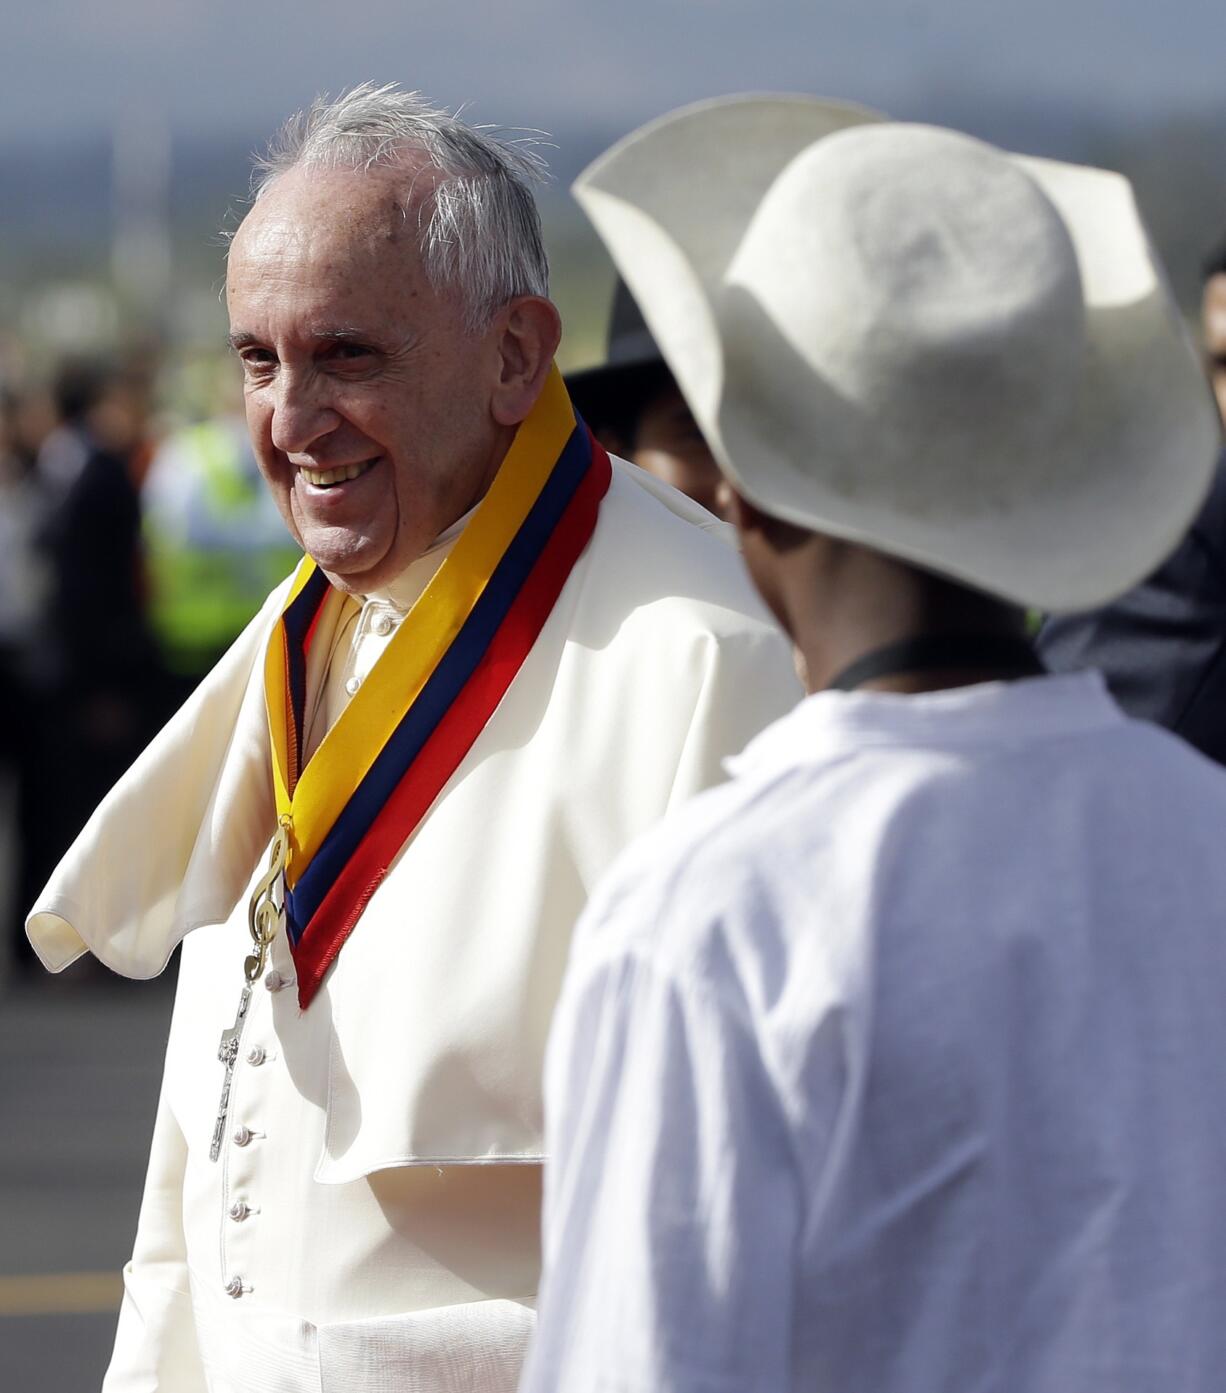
<point x="80" y="1064"/>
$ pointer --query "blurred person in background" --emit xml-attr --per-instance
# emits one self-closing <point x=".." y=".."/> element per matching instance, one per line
<point x="1162" y="646"/>
<point x="374" y="823"/>
<point x="895" y="1064"/>
<point x="96" y="683"/>
<point x="634" y="408"/>
<point x="22" y="603"/>
<point x="22" y="578"/>
<point x="216" y="543"/>
<point x="32" y="419"/>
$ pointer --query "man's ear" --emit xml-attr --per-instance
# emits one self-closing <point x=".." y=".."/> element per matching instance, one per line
<point x="740" y="512"/>
<point x="529" y="331"/>
<point x="751" y="522"/>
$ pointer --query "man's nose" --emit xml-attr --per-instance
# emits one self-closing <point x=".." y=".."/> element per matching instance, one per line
<point x="301" y="414"/>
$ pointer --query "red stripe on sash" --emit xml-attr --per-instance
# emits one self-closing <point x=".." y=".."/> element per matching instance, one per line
<point x="455" y="734"/>
<point x="309" y="637"/>
<point x="293" y="751"/>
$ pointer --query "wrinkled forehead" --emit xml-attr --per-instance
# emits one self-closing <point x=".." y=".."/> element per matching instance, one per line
<point x="336" y="214"/>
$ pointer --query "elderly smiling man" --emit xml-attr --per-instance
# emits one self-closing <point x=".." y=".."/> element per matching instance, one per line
<point x="376" y="822"/>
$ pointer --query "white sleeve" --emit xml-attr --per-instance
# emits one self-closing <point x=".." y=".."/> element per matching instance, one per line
<point x="672" y="1202"/>
<point x="187" y="822"/>
<point x="155" y="1344"/>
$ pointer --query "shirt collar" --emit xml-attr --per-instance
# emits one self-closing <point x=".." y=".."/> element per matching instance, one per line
<point x="1031" y="707"/>
<point x="402" y="592"/>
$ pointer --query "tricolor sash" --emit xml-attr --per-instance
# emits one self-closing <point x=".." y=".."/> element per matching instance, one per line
<point x="378" y="770"/>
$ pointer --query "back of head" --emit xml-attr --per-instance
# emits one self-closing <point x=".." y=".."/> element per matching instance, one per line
<point x="478" y="222"/>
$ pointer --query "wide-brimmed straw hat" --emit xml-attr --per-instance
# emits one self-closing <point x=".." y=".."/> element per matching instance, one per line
<point x="901" y="336"/>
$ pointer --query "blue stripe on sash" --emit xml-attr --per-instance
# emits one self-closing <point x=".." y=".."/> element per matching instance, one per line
<point x="298" y="619"/>
<point x="454" y="669"/>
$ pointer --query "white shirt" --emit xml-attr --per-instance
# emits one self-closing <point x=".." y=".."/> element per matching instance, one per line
<point x="372" y="1222"/>
<point x="896" y="1066"/>
<point x="367" y="627"/>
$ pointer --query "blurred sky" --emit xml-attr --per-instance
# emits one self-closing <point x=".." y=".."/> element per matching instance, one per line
<point x="186" y="89"/>
<point x="236" y="66"/>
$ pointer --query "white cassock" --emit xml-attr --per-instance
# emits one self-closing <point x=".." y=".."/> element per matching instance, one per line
<point x="372" y="1222"/>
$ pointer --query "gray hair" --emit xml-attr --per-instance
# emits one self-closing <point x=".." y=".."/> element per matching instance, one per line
<point x="479" y="226"/>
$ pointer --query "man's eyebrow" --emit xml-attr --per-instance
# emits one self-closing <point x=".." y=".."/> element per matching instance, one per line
<point x="341" y="333"/>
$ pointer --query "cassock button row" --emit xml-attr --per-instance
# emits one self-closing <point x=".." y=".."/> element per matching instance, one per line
<point x="239" y="1211"/>
<point x="242" y="1135"/>
<point x="256" y="1055"/>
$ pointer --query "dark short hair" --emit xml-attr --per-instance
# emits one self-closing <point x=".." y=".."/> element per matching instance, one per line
<point x="613" y="403"/>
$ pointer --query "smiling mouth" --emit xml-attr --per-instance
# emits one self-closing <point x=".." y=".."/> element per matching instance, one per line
<point x="329" y="478"/>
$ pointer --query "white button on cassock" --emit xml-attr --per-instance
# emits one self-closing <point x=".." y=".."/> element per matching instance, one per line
<point x="234" y="1287"/>
<point x="382" y="625"/>
<point x="256" y="1055"/>
<point x="352" y="684"/>
<point x="242" y="1135"/>
<point x="239" y="1211"/>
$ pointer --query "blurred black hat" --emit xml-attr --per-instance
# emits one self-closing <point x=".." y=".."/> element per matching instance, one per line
<point x="611" y="394"/>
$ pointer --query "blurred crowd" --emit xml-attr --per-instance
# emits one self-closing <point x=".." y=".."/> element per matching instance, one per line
<point x="135" y="543"/>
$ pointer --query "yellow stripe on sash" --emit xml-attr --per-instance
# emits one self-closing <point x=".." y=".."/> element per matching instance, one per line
<point x="354" y="742"/>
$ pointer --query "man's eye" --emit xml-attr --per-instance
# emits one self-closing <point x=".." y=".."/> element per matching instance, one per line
<point x="351" y="352"/>
<point x="257" y="360"/>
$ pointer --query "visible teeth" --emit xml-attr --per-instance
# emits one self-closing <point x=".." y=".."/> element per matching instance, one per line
<point x="324" y="478"/>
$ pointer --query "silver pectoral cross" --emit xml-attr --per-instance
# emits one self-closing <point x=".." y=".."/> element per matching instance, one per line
<point x="227" y="1053"/>
<point x="263" y="919"/>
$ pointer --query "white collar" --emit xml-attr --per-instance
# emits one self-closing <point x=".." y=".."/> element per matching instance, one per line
<point x="402" y="592"/>
<point x="1049" y="705"/>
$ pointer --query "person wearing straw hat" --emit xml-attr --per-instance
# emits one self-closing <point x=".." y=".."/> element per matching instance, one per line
<point x="895" y="1063"/>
